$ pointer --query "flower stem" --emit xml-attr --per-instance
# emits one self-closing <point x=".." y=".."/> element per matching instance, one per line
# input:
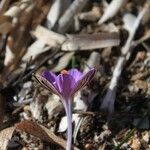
<point x="68" y="109"/>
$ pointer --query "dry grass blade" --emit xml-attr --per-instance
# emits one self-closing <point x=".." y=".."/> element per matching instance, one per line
<point x="89" y="42"/>
<point x="5" y="136"/>
<point x="41" y="132"/>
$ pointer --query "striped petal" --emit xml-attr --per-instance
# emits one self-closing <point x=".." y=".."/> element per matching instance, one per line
<point x="84" y="79"/>
<point x="65" y="84"/>
<point x="51" y="77"/>
<point x="47" y="84"/>
<point x="75" y="74"/>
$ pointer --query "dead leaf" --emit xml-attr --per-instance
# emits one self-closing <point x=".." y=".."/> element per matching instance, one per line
<point x="41" y="132"/>
<point x="5" y="136"/>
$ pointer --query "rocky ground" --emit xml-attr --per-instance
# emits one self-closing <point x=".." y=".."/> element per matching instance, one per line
<point x="113" y="111"/>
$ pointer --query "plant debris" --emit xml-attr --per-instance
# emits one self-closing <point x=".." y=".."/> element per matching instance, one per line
<point x="112" y="36"/>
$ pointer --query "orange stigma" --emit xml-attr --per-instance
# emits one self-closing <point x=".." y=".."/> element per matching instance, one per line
<point x="64" y="72"/>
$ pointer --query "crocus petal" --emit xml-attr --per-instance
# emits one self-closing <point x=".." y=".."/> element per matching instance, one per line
<point x="47" y="84"/>
<point x="108" y="101"/>
<point x="49" y="76"/>
<point x="75" y="73"/>
<point x="84" y="79"/>
<point x="65" y="83"/>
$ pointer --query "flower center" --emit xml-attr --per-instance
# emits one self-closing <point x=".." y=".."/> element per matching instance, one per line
<point x="64" y="72"/>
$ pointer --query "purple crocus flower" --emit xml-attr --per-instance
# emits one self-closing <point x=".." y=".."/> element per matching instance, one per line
<point x="65" y="85"/>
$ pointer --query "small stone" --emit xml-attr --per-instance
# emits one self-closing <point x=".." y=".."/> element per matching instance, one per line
<point x="146" y="137"/>
<point x="136" y="144"/>
<point x="89" y="146"/>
